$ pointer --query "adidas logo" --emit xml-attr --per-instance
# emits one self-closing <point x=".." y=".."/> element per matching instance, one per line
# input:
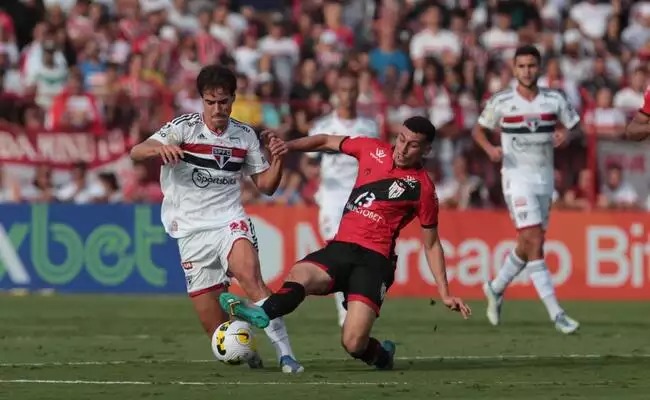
<point x="202" y="136"/>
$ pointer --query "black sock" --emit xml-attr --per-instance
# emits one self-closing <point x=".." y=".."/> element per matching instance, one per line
<point x="374" y="354"/>
<point x="285" y="300"/>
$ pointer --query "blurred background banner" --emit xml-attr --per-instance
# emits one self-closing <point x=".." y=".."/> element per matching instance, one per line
<point x="123" y="249"/>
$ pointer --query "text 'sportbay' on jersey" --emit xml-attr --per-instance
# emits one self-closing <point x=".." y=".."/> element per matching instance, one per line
<point x="385" y="198"/>
<point x="204" y="190"/>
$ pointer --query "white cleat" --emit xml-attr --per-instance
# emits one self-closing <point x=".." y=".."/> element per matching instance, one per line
<point x="566" y="324"/>
<point x="494" y="304"/>
<point x="342" y="318"/>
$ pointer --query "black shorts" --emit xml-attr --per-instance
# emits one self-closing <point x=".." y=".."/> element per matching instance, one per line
<point x="361" y="274"/>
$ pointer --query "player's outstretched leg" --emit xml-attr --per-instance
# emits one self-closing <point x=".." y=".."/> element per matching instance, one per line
<point x="339" y="298"/>
<point x="494" y="289"/>
<point x="243" y="263"/>
<point x="356" y="339"/>
<point x="542" y="280"/>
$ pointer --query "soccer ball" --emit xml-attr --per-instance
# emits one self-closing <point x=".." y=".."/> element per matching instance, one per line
<point x="233" y="342"/>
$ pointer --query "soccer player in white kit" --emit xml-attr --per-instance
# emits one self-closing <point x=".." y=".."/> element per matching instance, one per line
<point x="205" y="158"/>
<point x="527" y="117"/>
<point x="338" y="171"/>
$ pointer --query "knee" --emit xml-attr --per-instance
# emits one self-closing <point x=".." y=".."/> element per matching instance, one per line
<point x="531" y="244"/>
<point x="354" y="344"/>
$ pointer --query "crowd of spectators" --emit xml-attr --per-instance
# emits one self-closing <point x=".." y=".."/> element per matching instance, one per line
<point x="99" y="65"/>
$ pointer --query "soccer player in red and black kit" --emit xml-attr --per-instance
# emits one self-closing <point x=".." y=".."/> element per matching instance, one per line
<point x="391" y="189"/>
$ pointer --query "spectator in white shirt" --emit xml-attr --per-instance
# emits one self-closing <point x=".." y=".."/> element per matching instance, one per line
<point x="605" y="120"/>
<point x="616" y="193"/>
<point x="82" y="189"/>
<point x="500" y="39"/>
<point x="591" y="16"/>
<point x="630" y="99"/>
<point x="434" y="41"/>
<point x="49" y="78"/>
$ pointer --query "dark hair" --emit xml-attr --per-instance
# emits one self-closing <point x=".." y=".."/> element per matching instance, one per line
<point x="422" y="126"/>
<point x="528" y="50"/>
<point x="110" y="179"/>
<point x="216" y="77"/>
<point x="347" y="73"/>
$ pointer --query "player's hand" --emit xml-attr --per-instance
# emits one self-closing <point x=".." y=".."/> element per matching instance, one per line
<point x="170" y="153"/>
<point x="267" y="135"/>
<point x="457" y="304"/>
<point x="277" y="147"/>
<point x="559" y="137"/>
<point x="495" y="153"/>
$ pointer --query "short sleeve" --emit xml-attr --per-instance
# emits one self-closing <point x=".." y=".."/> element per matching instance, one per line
<point x="428" y="207"/>
<point x="353" y="146"/>
<point x="645" y="108"/>
<point x="568" y="115"/>
<point x="255" y="161"/>
<point x="169" y="134"/>
<point x="490" y="116"/>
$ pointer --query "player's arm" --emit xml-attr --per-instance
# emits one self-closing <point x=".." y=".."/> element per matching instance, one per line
<point x="639" y="127"/>
<point x="486" y="123"/>
<point x="320" y="143"/>
<point x="164" y="143"/>
<point x="436" y="259"/>
<point x="266" y="176"/>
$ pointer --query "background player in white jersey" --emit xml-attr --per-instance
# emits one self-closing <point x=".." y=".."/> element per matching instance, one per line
<point x="527" y="117"/>
<point x="205" y="157"/>
<point x="338" y="171"/>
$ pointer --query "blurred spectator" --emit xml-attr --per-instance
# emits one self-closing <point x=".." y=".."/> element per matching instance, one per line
<point x="433" y="40"/>
<point x="606" y="120"/>
<point x="9" y="189"/>
<point x="75" y="109"/>
<point x="111" y="187"/>
<point x="247" y="107"/>
<point x="47" y="76"/>
<point x="616" y="192"/>
<point x="630" y="98"/>
<point x="577" y="197"/>
<point x="82" y="189"/>
<point x="462" y="190"/>
<point x="41" y="189"/>
<point x="140" y="188"/>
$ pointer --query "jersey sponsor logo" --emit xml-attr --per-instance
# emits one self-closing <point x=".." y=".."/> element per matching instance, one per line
<point x="378" y="155"/>
<point x="187" y="265"/>
<point x="222" y="155"/>
<point x="396" y="190"/>
<point x="203" y="178"/>
<point x="361" y="204"/>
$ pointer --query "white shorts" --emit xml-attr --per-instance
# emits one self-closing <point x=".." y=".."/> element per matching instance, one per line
<point x="328" y="223"/>
<point x="528" y="208"/>
<point x="204" y="255"/>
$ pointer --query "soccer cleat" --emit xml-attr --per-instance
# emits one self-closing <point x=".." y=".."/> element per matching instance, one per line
<point x="566" y="324"/>
<point x="290" y="366"/>
<point x="239" y="308"/>
<point x="255" y="362"/>
<point x="390" y="347"/>
<point x="494" y="304"/>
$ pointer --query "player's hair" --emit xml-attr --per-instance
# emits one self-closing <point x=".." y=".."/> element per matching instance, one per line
<point x="528" y="50"/>
<point x="422" y="126"/>
<point x="216" y="77"/>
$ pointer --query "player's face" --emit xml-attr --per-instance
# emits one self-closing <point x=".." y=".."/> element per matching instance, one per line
<point x="410" y="147"/>
<point x="217" y="105"/>
<point x="526" y="70"/>
<point x="347" y="92"/>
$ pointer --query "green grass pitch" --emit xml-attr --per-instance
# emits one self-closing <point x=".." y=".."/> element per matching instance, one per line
<point x="132" y="347"/>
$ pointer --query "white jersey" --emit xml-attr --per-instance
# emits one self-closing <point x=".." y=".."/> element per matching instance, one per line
<point x="527" y="129"/>
<point x="338" y="171"/>
<point x="203" y="191"/>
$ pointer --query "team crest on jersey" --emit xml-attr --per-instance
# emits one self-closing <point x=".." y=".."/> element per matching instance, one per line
<point x="222" y="155"/>
<point x="396" y="189"/>
<point x="532" y="123"/>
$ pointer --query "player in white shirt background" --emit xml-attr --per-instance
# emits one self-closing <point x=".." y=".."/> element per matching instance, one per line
<point x="338" y="171"/>
<point x="527" y="117"/>
<point x="205" y="157"/>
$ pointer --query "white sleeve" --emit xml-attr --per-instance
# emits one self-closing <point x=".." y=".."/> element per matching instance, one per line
<point x="169" y="134"/>
<point x="255" y="161"/>
<point x="567" y="114"/>
<point x="490" y="116"/>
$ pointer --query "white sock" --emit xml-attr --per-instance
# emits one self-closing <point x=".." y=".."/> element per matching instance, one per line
<point x="339" y="297"/>
<point x="277" y="334"/>
<point x="543" y="283"/>
<point x="510" y="268"/>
